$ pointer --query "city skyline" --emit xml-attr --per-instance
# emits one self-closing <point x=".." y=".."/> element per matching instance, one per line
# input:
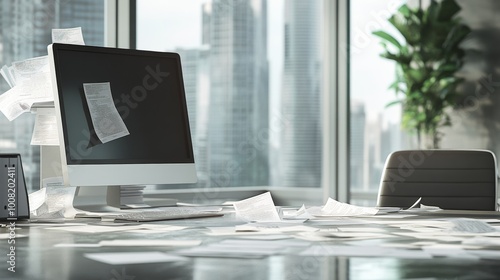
<point x="260" y="122"/>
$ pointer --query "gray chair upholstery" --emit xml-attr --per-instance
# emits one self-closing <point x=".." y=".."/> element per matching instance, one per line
<point x="450" y="179"/>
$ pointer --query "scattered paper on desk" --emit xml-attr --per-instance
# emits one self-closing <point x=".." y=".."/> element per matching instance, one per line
<point x="301" y="213"/>
<point x="107" y="122"/>
<point x="95" y="229"/>
<point x="9" y="236"/>
<point x="364" y="251"/>
<point x="486" y="254"/>
<point x="336" y="208"/>
<point x="471" y="226"/>
<point x="150" y="242"/>
<point x="77" y="245"/>
<point x="45" y="131"/>
<point x="340" y="236"/>
<point x="415" y="204"/>
<point x="68" y="36"/>
<point x="429" y="207"/>
<point x="240" y="248"/>
<point x="134" y="257"/>
<point x="274" y="229"/>
<point x="145" y="230"/>
<point x="482" y="241"/>
<point x="361" y="229"/>
<point x="36" y="199"/>
<point x="449" y="252"/>
<point x="258" y="208"/>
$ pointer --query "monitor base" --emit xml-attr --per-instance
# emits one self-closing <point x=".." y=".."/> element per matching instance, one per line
<point x="113" y="198"/>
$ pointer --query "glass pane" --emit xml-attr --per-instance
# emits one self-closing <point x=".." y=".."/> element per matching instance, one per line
<point x="375" y="128"/>
<point x="25" y="33"/>
<point x="252" y="73"/>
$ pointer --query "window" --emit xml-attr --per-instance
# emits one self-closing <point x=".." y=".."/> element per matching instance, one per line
<point x="375" y="130"/>
<point x="25" y="32"/>
<point x="255" y="112"/>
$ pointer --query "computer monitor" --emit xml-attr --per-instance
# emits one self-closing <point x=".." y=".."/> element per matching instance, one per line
<point x="153" y="142"/>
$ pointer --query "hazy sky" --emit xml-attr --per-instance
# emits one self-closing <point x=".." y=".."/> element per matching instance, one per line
<point x="163" y="25"/>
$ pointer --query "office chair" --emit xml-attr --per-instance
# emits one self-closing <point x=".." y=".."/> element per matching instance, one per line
<point x="449" y="179"/>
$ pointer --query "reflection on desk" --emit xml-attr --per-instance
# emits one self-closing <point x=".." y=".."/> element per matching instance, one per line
<point x="392" y="246"/>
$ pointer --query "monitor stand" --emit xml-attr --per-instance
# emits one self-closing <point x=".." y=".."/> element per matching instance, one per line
<point x="97" y="198"/>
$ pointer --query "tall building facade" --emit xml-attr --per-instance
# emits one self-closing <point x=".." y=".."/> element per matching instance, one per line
<point x="358" y="148"/>
<point x="25" y="32"/>
<point x="195" y="73"/>
<point x="300" y="140"/>
<point x="238" y="114"/>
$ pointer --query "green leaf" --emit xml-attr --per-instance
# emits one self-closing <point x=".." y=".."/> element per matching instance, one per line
<point x="386" y="36"/>
<point x="404" y="10"/>
<point x="449" y="8"/>
<point x="392" y="103"/>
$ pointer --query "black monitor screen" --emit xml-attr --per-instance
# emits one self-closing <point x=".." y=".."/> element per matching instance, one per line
<point x="148" y="93"/>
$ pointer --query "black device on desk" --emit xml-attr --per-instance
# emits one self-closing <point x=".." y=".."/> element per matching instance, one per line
<point x="14" y="197"/>
<point x="132" y="130"/>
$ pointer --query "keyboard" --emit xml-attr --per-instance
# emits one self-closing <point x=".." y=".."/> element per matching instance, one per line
<point x="161" y="214"/>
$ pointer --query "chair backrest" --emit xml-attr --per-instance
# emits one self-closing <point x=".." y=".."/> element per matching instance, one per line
<point x="450" y="179"/>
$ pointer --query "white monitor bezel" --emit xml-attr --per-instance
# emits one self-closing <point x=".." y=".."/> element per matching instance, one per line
<point x="114" y="174"/>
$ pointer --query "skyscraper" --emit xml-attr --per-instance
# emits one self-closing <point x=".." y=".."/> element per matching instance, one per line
<point x="300" y="141"/>
<point x="358" y="148"/>
<point x="238" y="118"/>
<point x="195" y="75"/>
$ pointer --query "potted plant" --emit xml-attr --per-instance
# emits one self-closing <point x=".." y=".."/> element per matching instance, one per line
<point x="427" y="57"/>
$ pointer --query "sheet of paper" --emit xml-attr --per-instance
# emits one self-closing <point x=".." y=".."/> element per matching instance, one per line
<point x="23" y="71"/>
<point x="7" y="75"/>
<point x="449" y="252"/>
<point x="351" y="235"/>
<point x="95" y="228"/>
<point x="482" y="241"/>
<point x="239" y="248"/>
<point x="37" y="199"/>
<point x="263" y="243"/>
<point x="77" y="245"/>
<point x="301" y="213"/>
<point x="45" y="130"/>
<point x="274" y="228"/>
<point x="51" y="182"/>
<point x="226" y="231"/>
<point x="150" y="242"/>
<point x="134" y="257"/>
<point x="415" y="204"/>
<point x="486" y="254"/>
<point x="8" y="236"/>
<point x="430" y="236"/>
<point x="361" y="229"/>
<point x="471" y="226"/>
<point x="107" y="122"/>
<point x="336" y="208"/>
<point x="19" y="99"/>
<point x="156" y="228"/>
<point x="364" y="251"/>
<point x="264" y="237"/>
<point x="31" y="84"/>
<point x="258" y="208"/>
<point x="68" y="36"/>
